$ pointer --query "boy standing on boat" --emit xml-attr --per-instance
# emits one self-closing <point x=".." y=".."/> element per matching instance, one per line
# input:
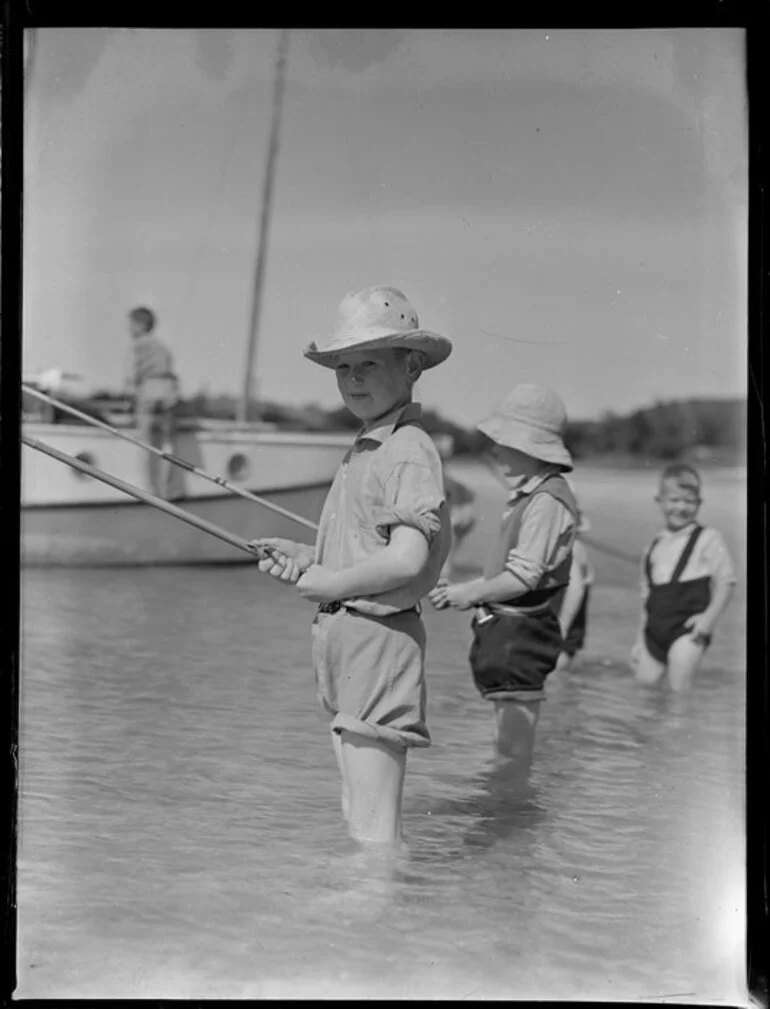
<point x="154" y="383"/>
<point x="384" y="537"/>
<point x="517" y="639"/>
<point x="687" y="581"/>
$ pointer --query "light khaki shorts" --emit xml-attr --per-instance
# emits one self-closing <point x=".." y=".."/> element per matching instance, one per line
<point x="370" y="675"/>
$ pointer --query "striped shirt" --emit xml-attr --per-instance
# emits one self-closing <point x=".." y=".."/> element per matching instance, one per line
<point x="150" y="358"/>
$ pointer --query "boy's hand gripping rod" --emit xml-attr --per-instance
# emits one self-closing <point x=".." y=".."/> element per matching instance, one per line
<point x="256" y="552"/>
<point x="168" y="457"/>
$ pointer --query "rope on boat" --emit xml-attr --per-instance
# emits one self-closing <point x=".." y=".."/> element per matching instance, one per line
<point x="175" y="460"/>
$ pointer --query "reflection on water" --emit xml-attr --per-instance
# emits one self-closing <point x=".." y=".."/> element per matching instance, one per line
<point x="181" y="836"/>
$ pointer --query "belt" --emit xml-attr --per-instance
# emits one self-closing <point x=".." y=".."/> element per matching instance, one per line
<point x="336" y="606"/>
<point x="518" y="611"/>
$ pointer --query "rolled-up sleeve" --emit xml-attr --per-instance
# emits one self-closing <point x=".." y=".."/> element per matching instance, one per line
<point x="413" y="496"/>
<point x="717" y="557"/>
<point x="545" y="537"/>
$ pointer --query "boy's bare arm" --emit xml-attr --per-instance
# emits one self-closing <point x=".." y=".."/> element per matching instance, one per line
<point x="463" y="595"/>
<point x="573" y="597"/>
<point x="704" y="623"/>
<point x="400" y="561"/>
<point x="542" y="526"/>
<point x="498" y="589"/>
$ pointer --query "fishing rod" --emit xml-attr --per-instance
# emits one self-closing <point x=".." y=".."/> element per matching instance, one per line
<point x="610" y="551"/>
<point x="165" y="506"/>
<point x="220" y="481"/>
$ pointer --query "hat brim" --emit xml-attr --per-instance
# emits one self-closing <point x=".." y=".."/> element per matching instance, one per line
<point x="434" y="347"/>
<point x="533" y="441"/>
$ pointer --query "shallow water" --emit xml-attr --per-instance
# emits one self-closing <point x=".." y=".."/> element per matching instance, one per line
<point x="180" y="828"/>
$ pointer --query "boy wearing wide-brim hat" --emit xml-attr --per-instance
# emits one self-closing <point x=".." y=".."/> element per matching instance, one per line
<point x="516" y="634"/>
<point x="383" y="539"/>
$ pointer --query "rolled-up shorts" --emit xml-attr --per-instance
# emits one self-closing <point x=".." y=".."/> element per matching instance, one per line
<point x="512" y="654"/>
<point x="370" y="675"/>
<point x="156" y="403"/>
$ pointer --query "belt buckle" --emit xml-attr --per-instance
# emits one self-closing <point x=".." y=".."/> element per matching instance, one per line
<point x="332" y="607"/>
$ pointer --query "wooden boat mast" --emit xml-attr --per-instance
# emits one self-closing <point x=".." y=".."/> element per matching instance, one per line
<point x="264" y="223"/>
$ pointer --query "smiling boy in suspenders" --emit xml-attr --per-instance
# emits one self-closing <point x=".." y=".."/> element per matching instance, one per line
<point x="687" y="581"/>
<point x="517" y="638"/>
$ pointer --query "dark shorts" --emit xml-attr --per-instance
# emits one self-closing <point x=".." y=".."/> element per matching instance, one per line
<point x="668" y="607"/>
<point x="512" y="654"/>
<point x="370" y="675"/>
<point x="658" y="640"/>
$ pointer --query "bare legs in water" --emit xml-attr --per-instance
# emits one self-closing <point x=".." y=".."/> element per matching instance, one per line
<point x="372" y="775"/>
<point x="515" y="723"/>
<point x="684" y="657"/>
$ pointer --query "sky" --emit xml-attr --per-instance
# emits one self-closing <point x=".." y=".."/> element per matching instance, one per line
<point x="568" y="206"/>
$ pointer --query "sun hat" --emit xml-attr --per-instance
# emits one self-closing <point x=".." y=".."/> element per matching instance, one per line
<point x="379" y="317"/>
<point x="532" y="419"/>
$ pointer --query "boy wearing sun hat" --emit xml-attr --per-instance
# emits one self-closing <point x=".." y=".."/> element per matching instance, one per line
<point x="383" y="539"/>
<point x="516" y="634"/>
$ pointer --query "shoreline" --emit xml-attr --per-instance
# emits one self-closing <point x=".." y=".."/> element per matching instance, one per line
<point x="472" y="465"/>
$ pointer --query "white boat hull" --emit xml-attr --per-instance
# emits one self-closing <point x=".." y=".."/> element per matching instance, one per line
<point x="67" y="520"/>
<point x="131" y="533"/>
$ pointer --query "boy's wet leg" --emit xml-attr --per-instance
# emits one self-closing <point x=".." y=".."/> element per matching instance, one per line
<point x="563" y="663"/>
<point x="375" y="777"/>
<point x="515" y="723"/>
<point x="684" y="657"/>
<point x="337" y="744"/>
<point x="647" y="669"/>
<point x="168" y="444"/>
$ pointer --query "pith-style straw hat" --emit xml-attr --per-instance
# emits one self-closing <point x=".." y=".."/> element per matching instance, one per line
<point x="532" y="419"/>
<point x="379" y="318"/>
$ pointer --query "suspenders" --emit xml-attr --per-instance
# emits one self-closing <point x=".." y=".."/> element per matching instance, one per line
<point x="684" y="557"/>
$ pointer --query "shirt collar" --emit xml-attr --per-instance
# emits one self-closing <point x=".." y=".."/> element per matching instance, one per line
<point x="673" y="533"/>
<point x="387" y="424"/>
<point x="531" y="483"/>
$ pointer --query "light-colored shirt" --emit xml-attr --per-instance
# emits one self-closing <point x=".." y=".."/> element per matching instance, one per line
<point x="391" y="476"/>
<point x="546" y="535"/>
<point x="710" y="558"/>
<point x="149" y="358"/>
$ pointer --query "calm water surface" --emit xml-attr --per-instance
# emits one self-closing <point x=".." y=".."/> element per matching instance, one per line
<point x="180" y="826"/>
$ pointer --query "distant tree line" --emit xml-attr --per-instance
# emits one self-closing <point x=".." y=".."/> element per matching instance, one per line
<point x="703" y="428"/>
<point x="665" y="430"/>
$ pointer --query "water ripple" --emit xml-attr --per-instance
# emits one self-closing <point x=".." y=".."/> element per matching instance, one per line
<point x="181" y="837"/>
